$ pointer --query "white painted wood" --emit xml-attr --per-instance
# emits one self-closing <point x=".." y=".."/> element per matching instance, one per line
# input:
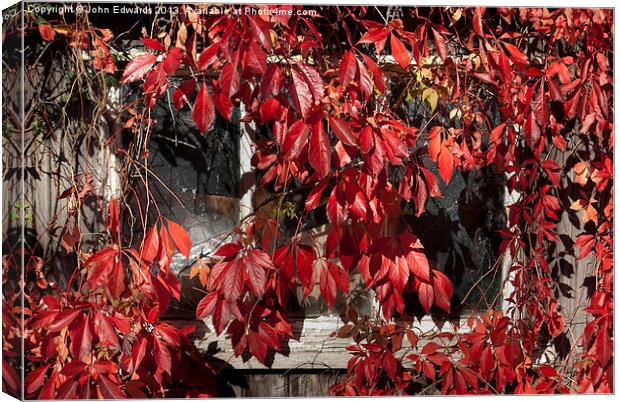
<point x="246" y="170"/>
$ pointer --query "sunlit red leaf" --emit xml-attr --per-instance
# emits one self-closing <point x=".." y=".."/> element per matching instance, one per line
<point x="399" y="51"/>
<point x="138" y="68"/>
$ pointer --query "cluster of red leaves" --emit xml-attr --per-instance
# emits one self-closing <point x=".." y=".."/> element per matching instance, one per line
<point x="104" y="337"/>
<point x="94" y="42"/>
<point x="483" y="357"/>
<point x="333" y="128"/>
<point x="553" y="105"/>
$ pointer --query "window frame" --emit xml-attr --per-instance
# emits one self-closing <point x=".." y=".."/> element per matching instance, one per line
<point x="315" y="346"/>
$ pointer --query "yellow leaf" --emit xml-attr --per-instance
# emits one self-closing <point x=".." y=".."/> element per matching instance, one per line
<point x="432" y="97"/>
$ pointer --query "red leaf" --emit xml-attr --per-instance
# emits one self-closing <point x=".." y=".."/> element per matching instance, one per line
<point x="534" y="72"/>
<point x="377" y="73"/>
<point x="110" y="390"/>
<point x="399" y="52"/>
<point x="300" y="92"/>
<point x="586" y="244"/>
<point x="229" y="80"/>
<point x="313" y="199"/>
<point x="138" y="352"/>
<point x="604" y="346"/>
<point x="81" y="339"/>
<point x="181" y="95"/>
<point x="223" y="105"/>
<point x="116" y="277"/>
<point x="153" y="44"/>
<point x="255" y="59"/>
<point x="203" y="112"/>
<point x="320" y="151"/>
<point x="138" y="67"/>
<point x="365" y="80"/>
<point x="331" y="277"/>
<point x="440" y="45"/>
<point x="161" y="353"/>
<point x="515" y="53"/>
<point x="261" y="30"/>
<point x="335" y="210"/>
<point x="314" y="81"/>
<point x="35" y="379"/>
<point x="113" y="216"/>
<point x="348" y="68"/>
<point x="418" y="263"/>
<point x="446" y="164"/>
<point x="442" y="290"/>
<point x="342" y="130"/>
<point x="257" y="348"/>
<point x="208" y="57"/>
<point x="425" y="294"/>
<point x="180" y="238"/>
<point x="73" y="368"/>
<point x="531" y="129"/>
<point x="375" y="35"/>
<point x="485" y="77"/>
<point x="63" y="319"/>
<point x="486" y="361"/>
<point x="228" y="250"/>
<point x="206" y="306"/>
<point x="295" y="140"/>
<point x="47" y="32"/>
<point x="105" y="330"/>
<point x="256" y="264"/>
<point x="232" y="280"/>
<point x="172" y="61"/>
<point x="272" y="81"/>
<point x="150" y="245"/>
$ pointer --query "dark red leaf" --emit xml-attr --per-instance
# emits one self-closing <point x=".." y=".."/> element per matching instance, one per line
<point x="183" y="93"/>
<point x="261" y="30"/>
<point x="153" y="44"/>
<point x="320" y="151"/>
<point x="203" y="112"/>
<point x="35" y="379"/>
<point x="232" y="280"/>
<point x="440" y="45"/>
<point x="105" y="330"/>
<point x="109" y="389"/>
<point x="208" y="57"/>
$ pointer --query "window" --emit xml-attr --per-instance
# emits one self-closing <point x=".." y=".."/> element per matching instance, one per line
<point x="206" y="182"/>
